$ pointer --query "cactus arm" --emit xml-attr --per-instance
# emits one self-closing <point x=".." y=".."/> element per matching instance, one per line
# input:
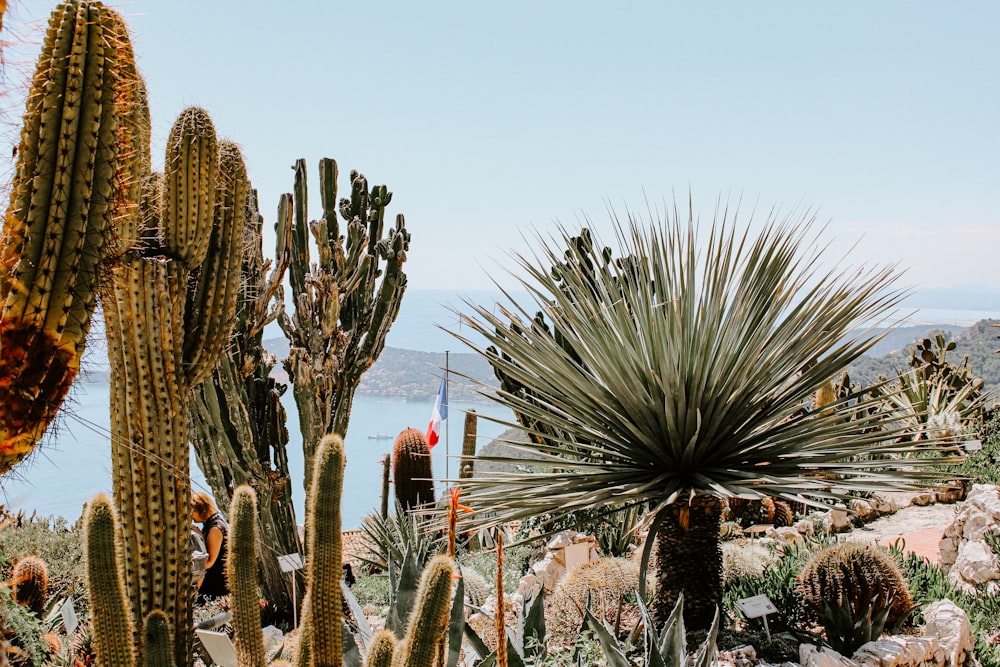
<point x="325" y="556"/>
<point x="190" y="170"/>
<point x="242" y="577"/>
<point x="380" y="651"/>
<point x="109" y="612"/>
<point x="328" y="173"/>
<point x="300" y="231"/>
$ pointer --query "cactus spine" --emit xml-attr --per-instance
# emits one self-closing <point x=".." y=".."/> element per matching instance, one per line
<point x="157" y="640"/>
<point x="170" y="306"/>
<point x="325" y="568"/>
<point x="411" y="460"/>
<point x="380" y="651"/>
<point x="241" y="573"/>
<point x="429" y="619"/>
<point x="469" y="445"/>
<point x="110" y="614"/>
<point x="73" y="177"/>
<point x="30" y="583"/>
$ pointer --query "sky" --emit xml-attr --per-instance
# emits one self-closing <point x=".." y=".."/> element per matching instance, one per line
<point x="493" y="121"/>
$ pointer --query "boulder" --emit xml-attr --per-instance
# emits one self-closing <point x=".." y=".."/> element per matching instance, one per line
<point x="949" y="625"/>
<point x="963" y="552"/>
<point x="805" y="527"/>
<point x="863" y="510"/>
<point x="836" y="520"/>
<point x="899" y="651"/>
<point x="811" y="656"/>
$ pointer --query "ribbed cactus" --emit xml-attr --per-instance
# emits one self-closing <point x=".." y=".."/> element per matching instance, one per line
<point x="325" y="569"/>
<point x="411" y="461"/>
<point x="74" y="175"/>
<point x="855" y="574"/>
<point x="241" y="574"/>
<point x="170" y="306"/>
<point x="345" y="301"/>
<point x="380" y="650"/>
<point x="157" y="641"/>
<point x="386" y="476"/>
<point x="30" y="583"/>
<point x="429" y="619"/>
<point x="469" y="445"/>
<point x="110" y="614"/>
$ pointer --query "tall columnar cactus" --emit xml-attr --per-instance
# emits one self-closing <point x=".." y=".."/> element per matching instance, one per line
<point x="855" y="575"/>
<point x="467" y="468"/>
<point x="81" y="139"/>
<point x="386" y="477"/>
<point x="110" y="615"/>
<point x="428" y="621"/>
<point x="411" y="461"/>
<point x="345" y="302"/>
<point x="380" y="650"/>
<point x="241" y="573"/>
<point x="170" y="308"/>
<point x="325" y="564"/>
<point x="239" y="431"/>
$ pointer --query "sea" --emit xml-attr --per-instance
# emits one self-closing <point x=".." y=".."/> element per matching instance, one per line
<point x="74" y="463"/>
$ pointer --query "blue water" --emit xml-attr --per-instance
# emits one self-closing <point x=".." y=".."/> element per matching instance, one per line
<point x="74" y="462"/>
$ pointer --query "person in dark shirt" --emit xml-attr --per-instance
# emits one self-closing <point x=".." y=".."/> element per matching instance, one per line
<point x="216" y="532"/>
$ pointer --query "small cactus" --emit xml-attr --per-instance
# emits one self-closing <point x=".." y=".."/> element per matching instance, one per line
<point x="381" y="649"/>
<point x="428" y="621"/>
<point x="858" y="575"/>
<point x="411" y="460"/>
<point x="158" y="644"/>
<point x="30" y="584"/>
<point x="477" y="589"/>
<point x="241" y="574"/>
<point x="109" y="610"/>
<point x="467" y="465"/>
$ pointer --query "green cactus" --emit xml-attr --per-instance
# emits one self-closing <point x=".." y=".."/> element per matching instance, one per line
<point x="411" y="460"/>
<point x="73" y="177"/>
<point x="467" y="464"/>
<point x="345" y="301"/>
<point x="380" y="651"/>
<point x="861" y="576"/>
<point x="110" y="614"/>
<point x="30" y="584"/>
<point x="241" y="574"/>
<point x="477" y="589"/>
<point x="386" y="475"/>
<point x="171" y="303"/>
<point x="323" y="534"/>
<point x="157" y="641"/>
<point x="428" y="621"/>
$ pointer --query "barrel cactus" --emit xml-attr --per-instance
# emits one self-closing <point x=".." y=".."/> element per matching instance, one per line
<point x="607" y="585"/>
<point x="30" y="583"/>
<point x="411" y="460"/>
<point x="84" y="127"/>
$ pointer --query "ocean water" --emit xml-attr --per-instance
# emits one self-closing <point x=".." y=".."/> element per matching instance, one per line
<point x="74" y="462"/>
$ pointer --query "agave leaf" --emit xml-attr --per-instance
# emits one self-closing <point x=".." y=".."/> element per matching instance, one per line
<point x="404" y="594"/>
<point x="352" y="656"/>
<point x="364" y="629"/>
<point x="609" y="644"/>
<point x="533" y="635"/>
<point x="708" y="651"/>
<point x="478" y="645"/>
<point x="456" y="624"/>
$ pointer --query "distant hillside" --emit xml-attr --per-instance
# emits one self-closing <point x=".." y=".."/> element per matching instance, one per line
<point x="979" y="342"/>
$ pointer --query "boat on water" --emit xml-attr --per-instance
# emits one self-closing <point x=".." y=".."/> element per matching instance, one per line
<point x="380" y="436"/>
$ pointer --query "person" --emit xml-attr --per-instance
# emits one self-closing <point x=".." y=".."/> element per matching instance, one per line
<point x="216" y="532"/>
<point x="199" y="554"/>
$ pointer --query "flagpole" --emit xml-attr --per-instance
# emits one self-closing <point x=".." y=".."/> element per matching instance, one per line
<point x="447" y="453"/>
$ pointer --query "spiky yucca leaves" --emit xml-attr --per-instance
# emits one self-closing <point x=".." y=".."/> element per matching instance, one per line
<point x="241" y="575"/>
<point x="109" y="610"/>
<point x="683" y="371"/>
<point x="30" y="583"/>
<point x="170" y="306"/>
<point x="345" y="300"/>
<point x="74" y="176"/>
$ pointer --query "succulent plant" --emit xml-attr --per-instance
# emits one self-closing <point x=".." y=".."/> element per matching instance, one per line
<point x="467" y="465"/>
<point x="30" y="583"/>
<point x="428" y="622"/>
<point x="157" y="643"/>
<point x="414" y="478"/>
<point x="241" y="575"/>
<point x="606" y="585"/>
<point x="112" y="620"/>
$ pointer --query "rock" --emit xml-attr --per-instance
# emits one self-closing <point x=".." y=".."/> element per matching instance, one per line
<point x="923" y="498"/>
<point x="885" y="504"/>
<point x="529" y="586"/>
<point x="560" y="540"/>
<point x="862" y="509"/>
<point x="788" y="535"/>
<point x="741" y="656"/>
<point x="975" y="563"/>
<point x="963" y="552"/>
<point x="949" y="493"/>
<point x="805" y="527"/>
<point x="836" y="520"/>
<point x="811" y="656"/>
<point x="898" y="651"/>
<point x="949" y="624"/>
<point x="548" y="572"/>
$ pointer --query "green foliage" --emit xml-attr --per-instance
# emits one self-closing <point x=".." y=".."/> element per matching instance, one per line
<point x="58" y="544"/>
<point x="982" y="466"/>
<point x="780" y="583"/>
<point x="372" y="590"/>
<point x="22" y="628"/>
<point x="515" y="564"/>
<point x="388" y="539"/>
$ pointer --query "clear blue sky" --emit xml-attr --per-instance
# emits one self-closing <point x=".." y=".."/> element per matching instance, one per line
<point x="488" y="120"/>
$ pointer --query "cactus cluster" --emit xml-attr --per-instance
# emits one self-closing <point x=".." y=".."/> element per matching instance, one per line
<point x="607" y="585"/>
<point x="411" y="461"/>
<point x="855" y="575"/>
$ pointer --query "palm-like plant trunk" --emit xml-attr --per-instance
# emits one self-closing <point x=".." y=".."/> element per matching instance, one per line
<point x="689" y="560"/>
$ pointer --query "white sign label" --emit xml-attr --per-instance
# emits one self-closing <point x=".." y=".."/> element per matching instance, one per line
<point x="219" y="646"/>
<point x="973" y="445"/>
<point x="838" y="491"/>
<point x="758" y="605"/>
<point x="290" y="562"/>
<point x="70" y="621"/>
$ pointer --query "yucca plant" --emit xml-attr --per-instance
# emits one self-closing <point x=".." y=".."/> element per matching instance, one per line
<point x="683" y="372"/>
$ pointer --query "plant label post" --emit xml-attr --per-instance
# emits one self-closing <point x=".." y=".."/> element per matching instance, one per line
<point x="758" y="606"/>
<point x="70" y="621"/>
<point x="291" y="563"/>
<point x="973" y="445"/>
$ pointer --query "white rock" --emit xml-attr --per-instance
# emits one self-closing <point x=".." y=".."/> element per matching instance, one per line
<point x="548" y="571"/>
<point x="923" y="498"/>
<point x="805" y="527"/>
<point x="788" y="535"/>
<point x="838" y="519"/>
<point x="885" y="504"/>
<point x="898" y="651"/>
<point x="949" y="624"/>
<point x="810" y="656"/>
<point x="862" y="509"/>
<point x="560" y="540"/>
<point x="976" y="563"/>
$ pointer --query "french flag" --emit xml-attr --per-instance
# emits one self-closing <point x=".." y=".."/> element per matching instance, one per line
<point x="439" y="415"/>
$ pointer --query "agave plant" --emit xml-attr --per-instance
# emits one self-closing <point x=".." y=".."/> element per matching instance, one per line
<point x="681" y="373"/>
